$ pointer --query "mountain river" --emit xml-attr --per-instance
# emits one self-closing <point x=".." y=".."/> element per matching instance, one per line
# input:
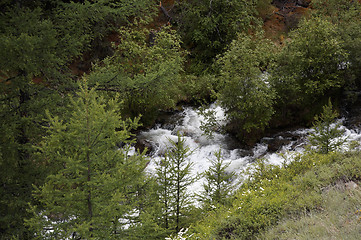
<point x="188" y="122"/>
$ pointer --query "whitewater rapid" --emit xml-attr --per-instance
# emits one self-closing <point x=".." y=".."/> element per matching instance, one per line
<point x="203" y="148"/>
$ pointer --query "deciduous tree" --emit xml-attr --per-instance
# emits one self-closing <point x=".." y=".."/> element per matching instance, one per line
<point x="311" y="64"/>
<point x="246" y="95"/>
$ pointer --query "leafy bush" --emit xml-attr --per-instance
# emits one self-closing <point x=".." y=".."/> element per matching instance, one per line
<point x="245" y="93"/>
<point x="311" y="64"/>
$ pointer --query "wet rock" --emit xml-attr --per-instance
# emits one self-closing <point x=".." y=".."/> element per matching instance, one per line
<point x="352" y="109"/>
<point x="143" y="144"/>
<point x="275" y="144"/>
<point x="244" y="152"/>
<point x="183" y="132"/>
<point x="232" y="143"/>
<point x="169" y="119"/>
<point x="282" y="3"/>
<point x="292" y="139"/>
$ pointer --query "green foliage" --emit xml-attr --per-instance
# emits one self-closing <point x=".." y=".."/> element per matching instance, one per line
<point x="311" y="64"/>
<point x="144" y="71"/>
<point x="27" y="48"/>
<point x="199" y="89"/>
<point x="327" y="137"/>
<point x="21" y="130"/>
<point x="351" y="35"/>
<point x="272" y="193"/>
<point x="338" y="205"/>
<point x="211" y="122"/>
<point x="165" y="190"/>
<point x="346" y="15"/>
<point x="337" y="10"/>
<point x="16" y="188"/>
<point x="93" y="184"/>
<point x="40" y="39"/>
<point x="218" y="186"/>
<point x="264" y="7"/>
<point x="208" y="27"/>
<point x="147" y="224"/>
<point x="174" y="177"/>
<point x="246" y="94"/>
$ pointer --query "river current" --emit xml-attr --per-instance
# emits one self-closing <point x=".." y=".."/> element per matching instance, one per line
<point x="188" y="123"/>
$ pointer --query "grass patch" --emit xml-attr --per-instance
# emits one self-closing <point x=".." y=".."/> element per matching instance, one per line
<point x="299" y="191"/>
<point x="338" y="218"/>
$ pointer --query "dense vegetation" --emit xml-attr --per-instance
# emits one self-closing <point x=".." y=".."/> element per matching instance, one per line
<point x="289" y="193"/>
<point x="78" y="78"/>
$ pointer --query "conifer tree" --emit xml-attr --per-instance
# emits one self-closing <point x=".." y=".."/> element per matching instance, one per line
<point x="38" y="41"/>
<point x="145" y="70"/>
<point x="210" y="26"/>
<point x="94" y="184"/>
<point x="218" y="184"/>
<point x="174" y="178"/>
<point x="164" y="189"/>
<point x="328" y="135"/>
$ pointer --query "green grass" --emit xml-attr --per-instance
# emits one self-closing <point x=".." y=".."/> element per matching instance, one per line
<point x="300" y="200"/>
<point x="337" y="218"/>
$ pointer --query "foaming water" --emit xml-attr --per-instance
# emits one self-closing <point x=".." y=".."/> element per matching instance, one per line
<point x="203" y="148"/>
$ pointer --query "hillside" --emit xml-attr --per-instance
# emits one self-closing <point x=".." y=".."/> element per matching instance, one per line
<point x="80" y="79"/>
<point x="314" y="197"/>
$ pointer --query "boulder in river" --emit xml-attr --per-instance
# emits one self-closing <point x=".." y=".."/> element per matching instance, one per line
<point x="143" y="144"/>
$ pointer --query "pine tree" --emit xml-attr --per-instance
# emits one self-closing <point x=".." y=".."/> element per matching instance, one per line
<point x="174" y="178"/>
<point x="38" y="42"/>
<point x="94" y="184"/>
<point x="328" y="135"/>
<point x="218" y="184"/>
<point x="165" y="188"/>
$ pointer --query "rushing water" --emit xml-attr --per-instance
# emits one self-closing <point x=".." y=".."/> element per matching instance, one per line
<point x="188" y="123"/>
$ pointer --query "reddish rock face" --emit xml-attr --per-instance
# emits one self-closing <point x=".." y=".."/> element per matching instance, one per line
<point x="284" y="17"/>
<point x="274" y="25"/>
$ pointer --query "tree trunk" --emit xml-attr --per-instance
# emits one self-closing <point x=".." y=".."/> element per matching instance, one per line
<point x="89" y="198"/>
